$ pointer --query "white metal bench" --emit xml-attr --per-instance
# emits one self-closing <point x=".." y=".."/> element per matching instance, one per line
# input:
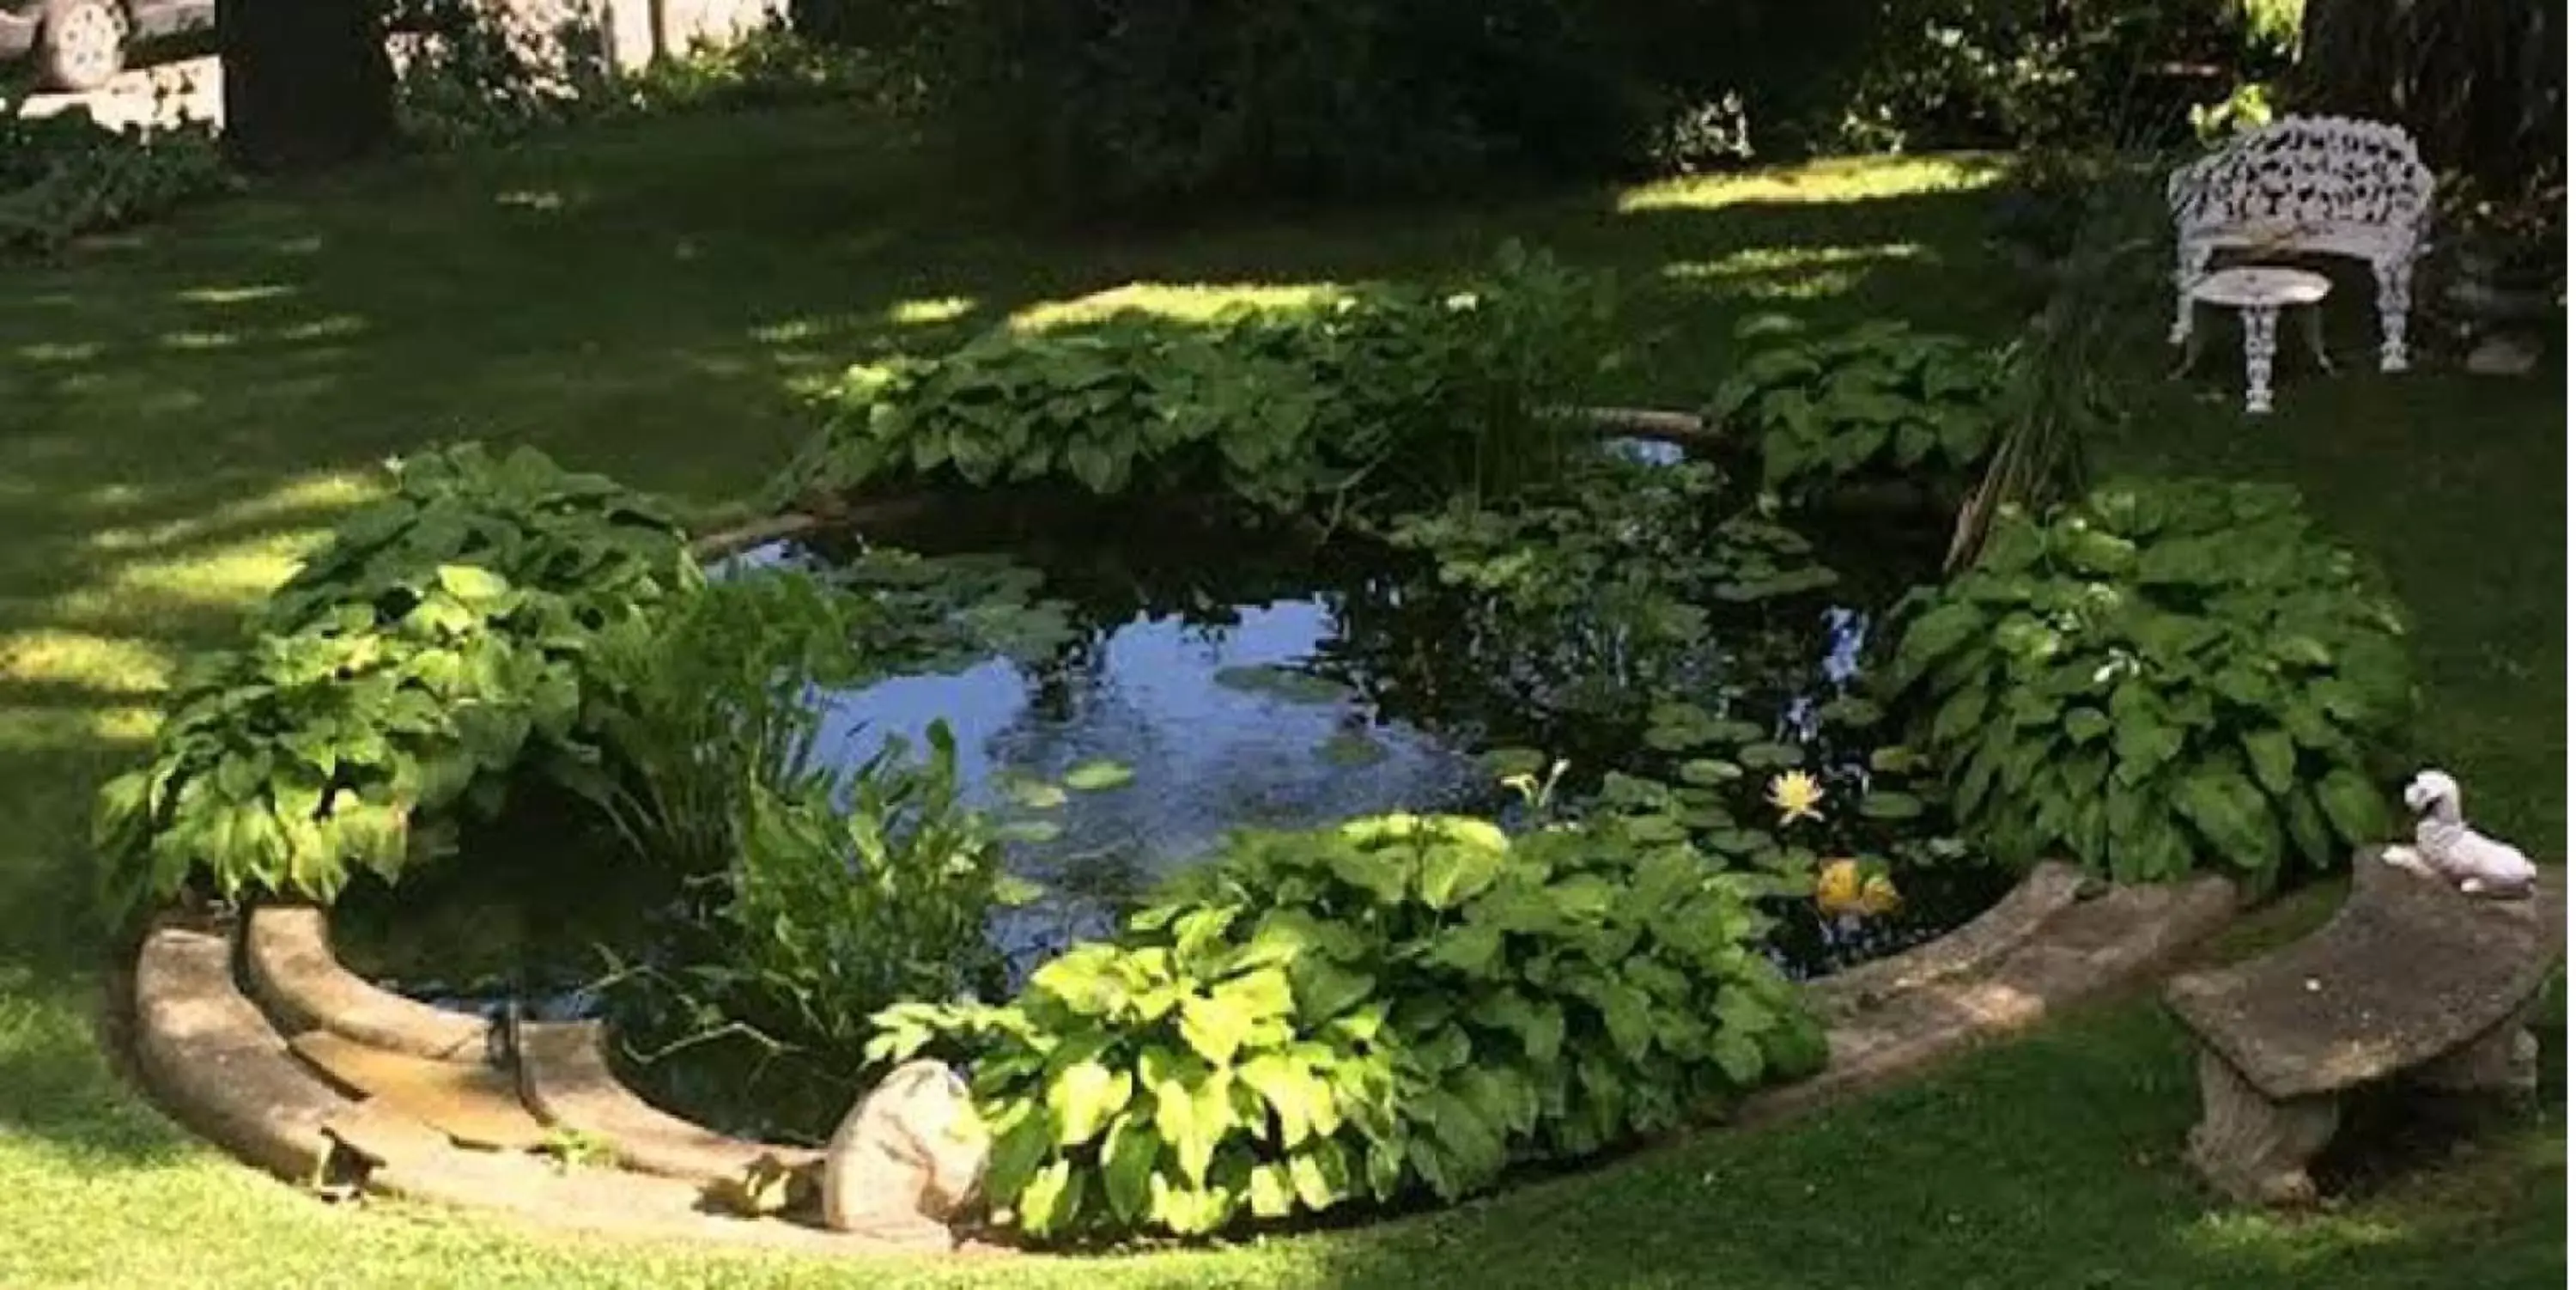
<point x="2321" y="185"/>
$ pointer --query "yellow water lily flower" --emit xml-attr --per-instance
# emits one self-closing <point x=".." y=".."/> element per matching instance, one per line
<point x="1797" y="794"/>
<point x="1842" y="889"/>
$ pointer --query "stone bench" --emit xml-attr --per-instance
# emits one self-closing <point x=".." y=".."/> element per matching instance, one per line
<point x="2410" y="981"/>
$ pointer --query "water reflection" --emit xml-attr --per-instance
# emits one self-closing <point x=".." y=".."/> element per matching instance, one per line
<point x="1209" y="752"/>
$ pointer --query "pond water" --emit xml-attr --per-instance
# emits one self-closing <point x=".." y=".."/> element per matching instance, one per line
<point x="1245" y="679"/>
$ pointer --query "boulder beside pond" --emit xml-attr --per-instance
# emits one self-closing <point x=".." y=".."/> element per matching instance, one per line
<point x="906" y="1160"/>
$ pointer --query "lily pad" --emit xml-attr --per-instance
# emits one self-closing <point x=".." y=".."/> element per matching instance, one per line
<point x="1098" y="774"/>
<point x="1283" y="683"/>
<point x="1350" y="748"/>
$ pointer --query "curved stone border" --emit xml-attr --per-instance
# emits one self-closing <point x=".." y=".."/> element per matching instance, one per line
<point x="564" y="1077"/>
<point x="2048" y="888"/>
<point x="287" y="959"/>
<point x="218" y="1064"/>
<point x="223" y="1068"/>
<point x="2081" y="950"/>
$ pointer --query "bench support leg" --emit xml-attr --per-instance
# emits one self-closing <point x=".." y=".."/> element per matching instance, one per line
<point x="2504" y="1060"/>
<point x="2252" y="1148"/>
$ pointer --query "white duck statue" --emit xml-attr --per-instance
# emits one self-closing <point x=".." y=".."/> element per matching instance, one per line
<point x="2447" y="848"/>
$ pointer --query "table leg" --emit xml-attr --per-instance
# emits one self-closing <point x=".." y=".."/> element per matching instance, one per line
<point x="2261" y="333"/>
<point x="2317" y="337"/>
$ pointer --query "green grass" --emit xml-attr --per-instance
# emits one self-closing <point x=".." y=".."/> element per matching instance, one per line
<point x="184" y="409"/>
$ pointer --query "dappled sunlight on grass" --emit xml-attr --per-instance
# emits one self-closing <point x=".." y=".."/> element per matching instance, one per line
<point x="1845" y="180"/>
<point x="100" y="664"/>
<point x="2283" y="1245"/>
<point x="232" y="575"/>
<point x="1181" y="301"/>
<point x="312" y="497"/>
<point x="236" y="295"/>
<point x="55" y="352"/>
<point x="919" y="313"/>
<point x="1794" y="273"/>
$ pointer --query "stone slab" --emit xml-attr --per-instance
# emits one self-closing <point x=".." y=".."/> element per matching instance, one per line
<point x="2048" y="888"/>
<point x="2079" y="951"/>
<point x="288" y="962"/>
<point x="476" y="1105"/>
<point x="211" y="1055"/>
<point x="564" y="1076"/>
<point x="2407" y="970"/>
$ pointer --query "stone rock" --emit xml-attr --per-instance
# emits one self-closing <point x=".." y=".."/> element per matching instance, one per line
<point x="906" y="1159"/>
<point x="2410" y="978"/>
<point x="2503" y="354"/>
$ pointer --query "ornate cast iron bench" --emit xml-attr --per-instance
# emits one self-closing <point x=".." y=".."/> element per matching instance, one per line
<point x="2312" y="185"/>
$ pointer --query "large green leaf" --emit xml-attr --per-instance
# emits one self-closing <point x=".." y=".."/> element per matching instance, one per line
<point x="2356" y="809"/>
<point x="1127" y="1159"/>
<point x="1051" y="1199"/>
<point x="1931" y="638"/>
<point x="2275" y="759"/>
<point x="2230" y="811"/>
<point x="1453" y="874"/>
<point x="1215" y="1027"/>
<point x="1083" y="1098"/>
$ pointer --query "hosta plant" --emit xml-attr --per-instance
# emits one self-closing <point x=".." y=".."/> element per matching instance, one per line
<point x="2167" y="676"/>
<point x="403" y="673"/>
<point x="1879" y="400"/>
<point x="1388" y="391"/>
<point x="1399" y="1004"/>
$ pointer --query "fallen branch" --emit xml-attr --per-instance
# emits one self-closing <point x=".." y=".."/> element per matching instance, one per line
<point x="1651" y="423"/>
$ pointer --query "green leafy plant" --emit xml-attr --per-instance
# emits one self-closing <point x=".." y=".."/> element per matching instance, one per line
<point x="481" y="74"/>
<point x="407" y="669"/>
<point x="839" y="908"/>
<point x="703" y="706"/>
<point x="65" y="174"/>
<point x="1400" y="1003"/>
<point x="1595" y="593"/>
<point x="1406" y="392"/>
<point x="2166" y="676"/>
<point x="1879" y="400"/>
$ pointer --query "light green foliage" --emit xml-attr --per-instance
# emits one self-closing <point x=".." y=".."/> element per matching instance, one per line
<point x="1412" y="392"/>
<point x="851" y="892"/>
<point x="404" y="671"/>
<point x="1398" y="1004"/>
<point x="700" y="707"/>
<point x="2167" y="676"/>
<point x="1595" y="593"/>
<point x="1879" y="399"/>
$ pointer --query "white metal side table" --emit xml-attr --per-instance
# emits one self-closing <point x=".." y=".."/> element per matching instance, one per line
<point x="2258" y="294"/>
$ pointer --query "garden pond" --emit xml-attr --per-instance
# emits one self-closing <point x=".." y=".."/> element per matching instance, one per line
<point x="1195" y="677"/>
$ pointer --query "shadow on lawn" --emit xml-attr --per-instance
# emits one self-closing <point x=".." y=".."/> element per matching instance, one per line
<point x="2039" y="1165"/>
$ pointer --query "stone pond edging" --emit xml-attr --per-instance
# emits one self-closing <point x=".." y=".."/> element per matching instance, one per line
<point x="223" y="1065"/>
<point x="289" y="966"/>
<point x="565" y="1078"/>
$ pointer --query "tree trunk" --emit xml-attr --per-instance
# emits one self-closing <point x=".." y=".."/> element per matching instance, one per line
<point x="2481" y="84"/>
<point x="307" y="83"/>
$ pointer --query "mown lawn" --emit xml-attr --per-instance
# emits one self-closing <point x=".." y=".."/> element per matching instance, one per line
<point x="184" y="409"/>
